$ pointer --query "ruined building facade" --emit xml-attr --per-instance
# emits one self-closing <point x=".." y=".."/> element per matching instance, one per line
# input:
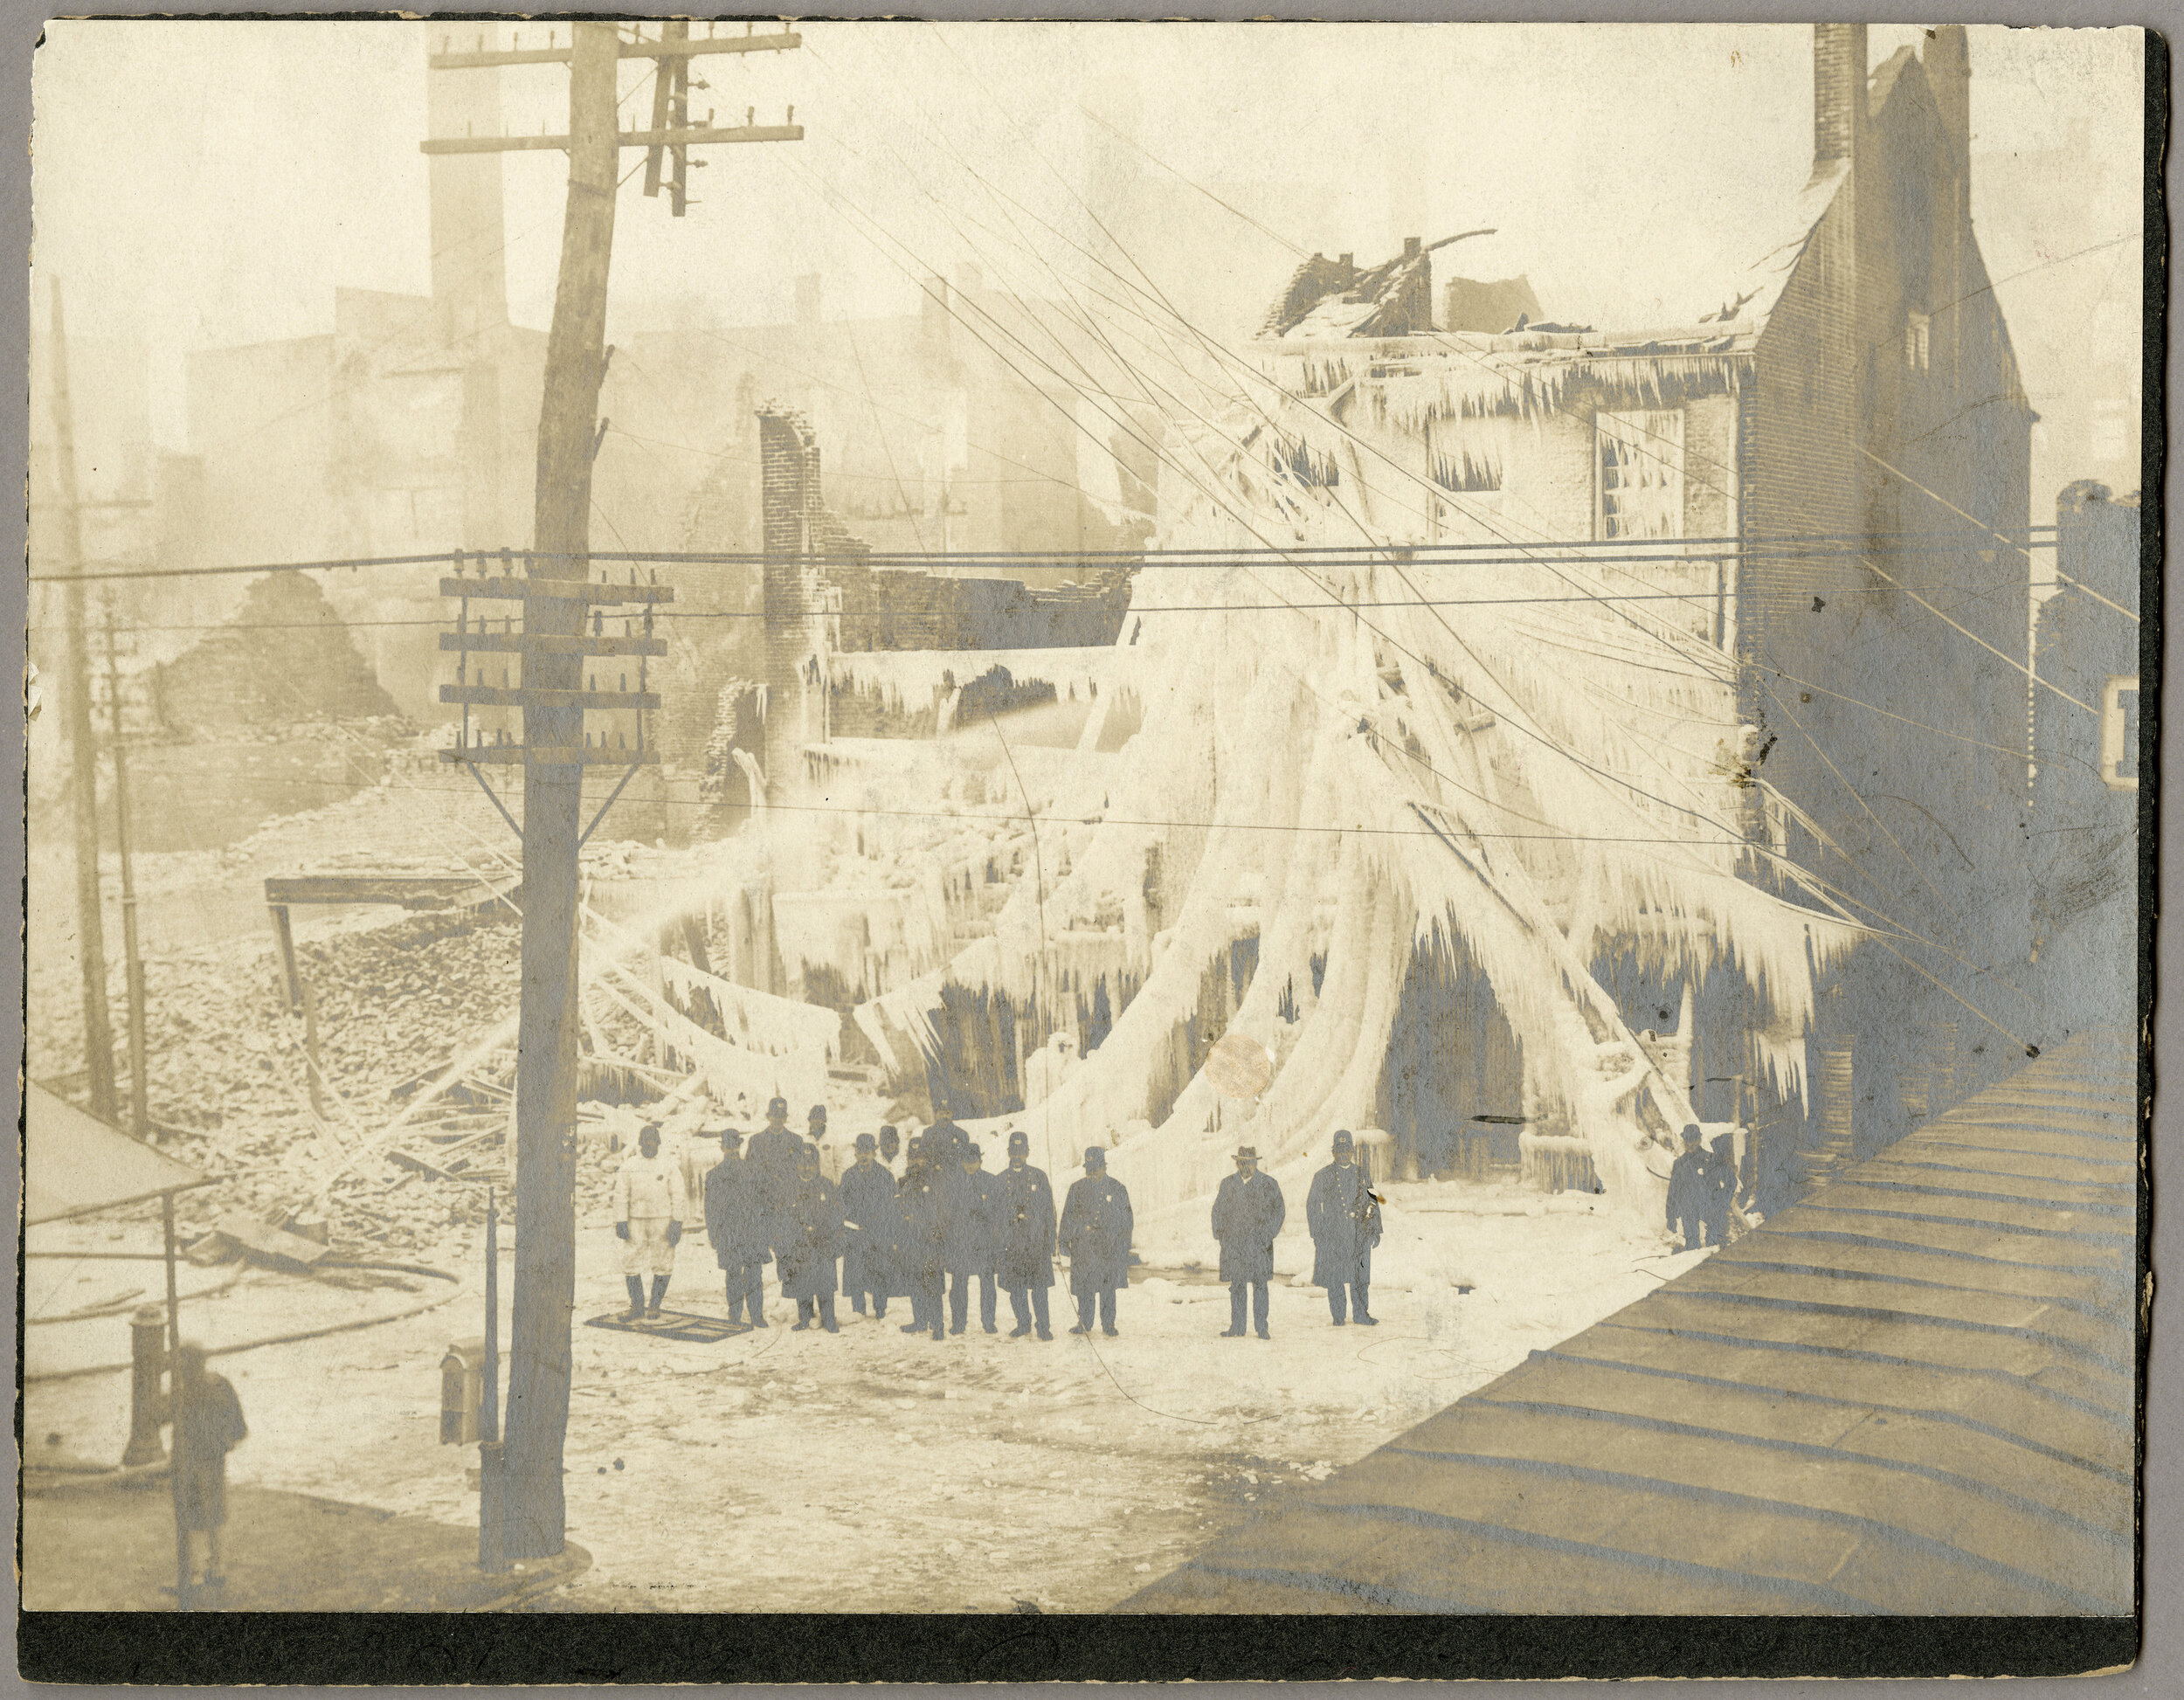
<point x="1819" y="486"/>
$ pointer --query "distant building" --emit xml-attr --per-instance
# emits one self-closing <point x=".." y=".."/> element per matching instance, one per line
<point x="1842" y="438"/>
<point x="410" y="427"/>
<point x="2081" y="836"/>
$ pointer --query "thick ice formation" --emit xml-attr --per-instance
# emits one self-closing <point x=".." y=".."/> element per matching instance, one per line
<point x="1365" y="778"/>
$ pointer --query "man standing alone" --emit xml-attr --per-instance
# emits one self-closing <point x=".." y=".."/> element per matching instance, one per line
<point x="1095" y="1229"/>
<point x="649" y="1209"/>
<point x="1024" y="1258"/>
<point x="739" y="1238"/>
<point x="1693" y="1191"/>
<point x="1344" y="1219"/>
<point x="1249" y="1212"/>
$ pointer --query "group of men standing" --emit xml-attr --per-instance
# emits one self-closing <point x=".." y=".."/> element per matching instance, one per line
<point x="925" y="1237"/>
<point x="947" y="1221"/>
<point x="1342" y="1213"/>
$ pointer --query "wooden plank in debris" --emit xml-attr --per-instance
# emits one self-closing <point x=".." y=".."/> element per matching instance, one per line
<point x="270" y="1244"/>
<point x="412" y="1160"/>
<point x="408" y="891"/>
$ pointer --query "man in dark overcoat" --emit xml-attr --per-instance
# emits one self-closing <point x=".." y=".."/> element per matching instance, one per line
<point x="1344" y="1219"/>
<point x="1025" y="1229"/>
<point x="772" y="1155"/>
<point x="812" y="1240"/>
<point x="917" y="1244"/>
<point x="869" y="1222"/>
<point x="1721" y="1170"/>
<point x="734" y="1225"/>
<point x="944" y="1144"/>
<point x="1095" y="1229"/>
<point x="1692" y="1190"/>
<point x="1249" y="1212"/>
<point x="969" y="1244"/>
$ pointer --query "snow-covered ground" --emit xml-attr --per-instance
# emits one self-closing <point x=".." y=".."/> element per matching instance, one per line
<point x="875" y="1470"/>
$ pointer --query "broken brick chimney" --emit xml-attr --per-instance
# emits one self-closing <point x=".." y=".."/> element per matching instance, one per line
<point x="1839" y="53"/>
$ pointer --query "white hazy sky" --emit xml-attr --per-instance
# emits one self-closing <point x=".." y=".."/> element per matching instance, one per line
<point x="1630" y="170"/>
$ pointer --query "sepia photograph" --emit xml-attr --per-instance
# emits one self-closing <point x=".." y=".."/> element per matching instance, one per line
<point x="1363" y="798"/>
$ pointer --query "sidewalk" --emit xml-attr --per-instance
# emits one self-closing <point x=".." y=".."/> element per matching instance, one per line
<point x="108" y="1548"/>
<point x="1911" y="1391"/>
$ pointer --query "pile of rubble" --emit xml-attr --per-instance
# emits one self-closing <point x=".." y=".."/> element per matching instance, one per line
<point x="230" y="1076"/>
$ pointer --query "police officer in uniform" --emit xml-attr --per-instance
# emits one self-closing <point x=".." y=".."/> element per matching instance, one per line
<point x="944" y="1144"/>
<point x="1344" y="1219"/>
<point x="813" y="1240"/>
<point x="868" y="1221"/>
<point x="968" y="1249"/>
<point x="917" y="1203"/>
<point x="732" y="1223"/>
<point x="773" y="1158"/>
<point x="1024" y="1258"/>
<point x="1095" y="1229"/>
<point x="1248" y="1212"/>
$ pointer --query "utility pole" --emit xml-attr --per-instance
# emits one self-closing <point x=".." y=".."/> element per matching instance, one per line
<point x="556" y="590"/>
<point x="132" y="962"/>
<point x="83" y="749"/>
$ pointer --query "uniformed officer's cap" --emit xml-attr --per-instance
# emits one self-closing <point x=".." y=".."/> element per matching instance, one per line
<point x="776" y="1106"/>
<point x="1018" y="1141"/>
<point x="819" y="1113"/>
<point x="649" y="1127"/>
<point x="1247" y="1151"/>
<point x="1343" y="1141"/>
<point x="1096" y="1157"/>
<point x="972" y="1154"/>
<point x="886" y="1129"/>
<point x="866" y="1143"/>
<point x="807" y="1156"/>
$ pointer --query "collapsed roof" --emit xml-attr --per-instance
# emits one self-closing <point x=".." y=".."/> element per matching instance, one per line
<point x="1336" y="298"/>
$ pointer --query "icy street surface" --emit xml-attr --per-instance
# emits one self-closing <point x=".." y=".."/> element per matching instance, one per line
<point x="879" y="1471"/>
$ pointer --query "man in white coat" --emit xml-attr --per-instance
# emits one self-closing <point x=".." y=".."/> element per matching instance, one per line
<point x="650" y="1206"/>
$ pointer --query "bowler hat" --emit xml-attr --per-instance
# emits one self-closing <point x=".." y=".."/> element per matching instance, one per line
<point x="866" y="1143"/>
<point x="1096" y="1157"/>
<point x="1343" y="1141"/>
<point x="1018" y="1141"/>
<point x="729" y="1137"/>
<point x="819" y="1113"/>
<point x="1247" y="1152"/>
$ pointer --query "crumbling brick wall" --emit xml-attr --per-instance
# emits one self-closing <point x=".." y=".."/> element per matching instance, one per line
<point x="285" y="657"/>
